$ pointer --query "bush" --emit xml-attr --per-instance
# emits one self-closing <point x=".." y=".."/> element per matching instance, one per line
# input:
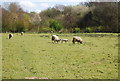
<point x="19" y="28"/>
<point x="44" y="30"/>
<point x="55" y="25"/>
<point x="88" y="29"/>
<point x="99" y="29"/>
<point x="77" y="30"/>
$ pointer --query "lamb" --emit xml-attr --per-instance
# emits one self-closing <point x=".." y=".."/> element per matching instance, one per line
<point x="10" y="36"/>
<point x="64" y="40"/>
<point x="77" y="39"/>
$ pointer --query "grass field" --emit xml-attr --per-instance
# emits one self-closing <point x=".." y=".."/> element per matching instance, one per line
<point x="34" y="55"/>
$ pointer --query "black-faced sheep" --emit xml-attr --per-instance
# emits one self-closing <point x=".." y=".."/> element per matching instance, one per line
<point x="10" y="36"/>
<point x="55" y="38"/>
<point x="77" y="39"/>
<point x="22" y="33"/>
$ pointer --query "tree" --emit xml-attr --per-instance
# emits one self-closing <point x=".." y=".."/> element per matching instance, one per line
<point x="0" y="19"/>
<point x="11" y="15"/>
<point x="107" y="15"/>
<point x="97" y="16"/>
<point x="59" y="7"/>
<point x="35" y="21"/>
<point x="50" y="13"/>
<point x="55" y="25"/>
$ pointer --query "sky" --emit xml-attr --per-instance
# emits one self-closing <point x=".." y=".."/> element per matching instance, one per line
<point x="40" y="5"/>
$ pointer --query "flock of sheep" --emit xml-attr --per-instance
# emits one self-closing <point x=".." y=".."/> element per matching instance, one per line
<point x="56" y="39"/>
<point x="10" y="36"/>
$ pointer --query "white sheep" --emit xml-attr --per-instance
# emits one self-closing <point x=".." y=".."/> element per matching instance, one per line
<point x="77" y="39"/>
<point x="55" y="38"/>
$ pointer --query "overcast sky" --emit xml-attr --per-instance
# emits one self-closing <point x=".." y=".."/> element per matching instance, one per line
<point x="39" y="5"/>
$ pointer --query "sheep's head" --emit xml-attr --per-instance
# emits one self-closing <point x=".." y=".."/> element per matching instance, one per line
<point x="81" y="42"/>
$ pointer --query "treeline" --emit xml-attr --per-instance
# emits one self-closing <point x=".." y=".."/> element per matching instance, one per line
<point x="84" y="17"/>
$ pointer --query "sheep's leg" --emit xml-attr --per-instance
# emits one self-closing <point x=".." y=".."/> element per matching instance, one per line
<point x="66" y="41"/>
<point x="73" y="42"/>
<point x="54" y="41"/>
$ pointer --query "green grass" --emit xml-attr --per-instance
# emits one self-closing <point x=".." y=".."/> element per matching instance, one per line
<point x="33" y="55"/>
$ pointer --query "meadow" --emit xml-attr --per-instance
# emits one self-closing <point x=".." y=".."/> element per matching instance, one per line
<point x="35" y="55"/>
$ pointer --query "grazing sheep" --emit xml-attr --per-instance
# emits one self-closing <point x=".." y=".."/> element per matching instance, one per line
<point x="77" y="39"/>
<point x="60" y="32"/>
<point x="64" y="40"/>
<point x="52" y="31"/>
<point x="22" y="33"/>
<point x="10" y="36"/>
<point x="55" y="38"/>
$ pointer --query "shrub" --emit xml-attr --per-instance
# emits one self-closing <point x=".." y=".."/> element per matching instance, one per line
<point x="44" y="30"/>
<point x="77" y="30"/>
<point x="88" y="29"/>
<point x="55" y="25"/>
<point x="99" y="29"/>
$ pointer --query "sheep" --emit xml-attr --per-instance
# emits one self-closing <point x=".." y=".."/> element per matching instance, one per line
<point x="10" y="36"/>
<point x="64" y="40"/>
<point x="55" y="38"/>
<point x="77" y="39"/>
<point x="22" y="33"/>
<point x="52" y="31"/>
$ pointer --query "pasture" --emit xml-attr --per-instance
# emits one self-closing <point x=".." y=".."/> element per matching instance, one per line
<point x="35" y="55"/>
